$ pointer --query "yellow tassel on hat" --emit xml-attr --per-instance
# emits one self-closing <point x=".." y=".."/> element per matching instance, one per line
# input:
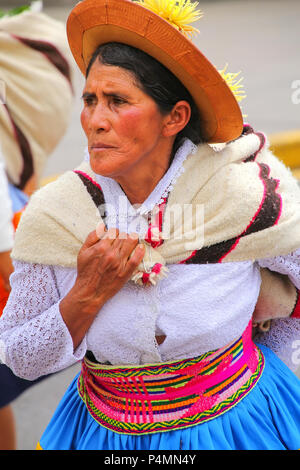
<point x="179" y="13"/>
<point x="234" y="83"/>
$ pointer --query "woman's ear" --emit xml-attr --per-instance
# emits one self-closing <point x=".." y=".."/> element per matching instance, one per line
<point x="177" y="119"/>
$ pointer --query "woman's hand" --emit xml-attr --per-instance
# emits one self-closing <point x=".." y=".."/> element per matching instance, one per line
<point x="105" y="263"/>
<point x="277" y="297"/>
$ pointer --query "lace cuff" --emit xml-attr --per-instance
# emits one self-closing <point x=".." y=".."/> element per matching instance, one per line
<point x="284" y="334"/>
<point x="41" y="346"/>
<point x="288" y="265"/>
<point x="283" y="339"/>
<point x="34" y="339"/>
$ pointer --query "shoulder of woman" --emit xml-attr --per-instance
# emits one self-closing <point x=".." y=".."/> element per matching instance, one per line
<point x="55" y="223"/>
<point x="56" y="194"/>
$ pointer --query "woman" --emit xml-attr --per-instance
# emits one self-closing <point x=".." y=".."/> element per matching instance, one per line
<point x="121" y="277"/>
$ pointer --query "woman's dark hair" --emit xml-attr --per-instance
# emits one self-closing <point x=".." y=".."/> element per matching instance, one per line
<point x="155" y="80"/>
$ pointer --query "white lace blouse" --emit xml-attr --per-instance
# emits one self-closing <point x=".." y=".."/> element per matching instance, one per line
<point x="197" y="307"/>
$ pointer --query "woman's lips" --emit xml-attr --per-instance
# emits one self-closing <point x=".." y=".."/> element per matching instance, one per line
<point x="101" y="147"/>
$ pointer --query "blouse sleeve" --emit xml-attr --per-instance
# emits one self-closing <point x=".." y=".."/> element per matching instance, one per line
<point x="288" y="265"/>
<point x="284" y="335"/>
<point x="34" y="339"/>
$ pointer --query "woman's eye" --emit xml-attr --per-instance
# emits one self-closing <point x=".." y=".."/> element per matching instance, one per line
<point x="88" y="101"/>
<point x="118" y="100"/>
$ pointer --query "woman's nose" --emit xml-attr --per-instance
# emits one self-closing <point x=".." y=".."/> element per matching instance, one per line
<point x="100" y="118"/>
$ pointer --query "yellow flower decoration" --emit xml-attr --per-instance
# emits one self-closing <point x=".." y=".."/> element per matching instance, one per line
<point x="234" y="83"/>
<point x="179" y="13"/>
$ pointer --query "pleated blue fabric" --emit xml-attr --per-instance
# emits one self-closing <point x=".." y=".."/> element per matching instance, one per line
<point x="268" y="418"/>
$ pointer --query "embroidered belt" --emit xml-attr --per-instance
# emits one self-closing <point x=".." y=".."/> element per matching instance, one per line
<point x="168" y="396"/>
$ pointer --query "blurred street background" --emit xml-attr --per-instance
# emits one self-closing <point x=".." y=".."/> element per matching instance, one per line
<point x="260" y="38"/>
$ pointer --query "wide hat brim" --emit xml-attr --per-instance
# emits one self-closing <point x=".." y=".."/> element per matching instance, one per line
<point x="95" y="22"/>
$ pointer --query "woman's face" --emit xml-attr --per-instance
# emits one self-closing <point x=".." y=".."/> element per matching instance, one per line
<point x="123" y="125"/>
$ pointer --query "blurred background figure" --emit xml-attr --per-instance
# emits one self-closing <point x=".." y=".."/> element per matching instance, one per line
<point x="7" y="432"/>
<point x="35" y="106"/>
<point x="6" y="235"/>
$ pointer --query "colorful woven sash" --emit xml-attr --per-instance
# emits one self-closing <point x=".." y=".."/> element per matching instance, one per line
<point x="168" y="396"/>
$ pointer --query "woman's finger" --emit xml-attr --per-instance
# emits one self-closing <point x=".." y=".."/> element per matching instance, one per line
<point x="94" y="236"/>
<point x="100" y="230"/>
<point x="127" y="244"/>
<point x="90" y="240"/>
<point x="111" y="235"/>
<point x="124" y="238"/>
<point x="135" y="259"/>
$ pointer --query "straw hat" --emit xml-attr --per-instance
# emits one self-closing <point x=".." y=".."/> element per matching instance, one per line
<point x="95" y="22"/>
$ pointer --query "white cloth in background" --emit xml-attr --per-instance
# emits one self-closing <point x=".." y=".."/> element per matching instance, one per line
<point x="35" y="66"/>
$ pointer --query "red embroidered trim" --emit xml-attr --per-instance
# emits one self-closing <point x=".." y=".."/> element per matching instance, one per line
<point x="296" y="312"/>
<point x="155" y="222"/>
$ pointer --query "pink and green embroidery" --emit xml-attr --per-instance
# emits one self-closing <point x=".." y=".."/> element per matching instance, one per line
<point x="169" y="396"/>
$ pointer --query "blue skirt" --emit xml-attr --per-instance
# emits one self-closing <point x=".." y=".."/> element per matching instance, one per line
<point x="268" y="418"/>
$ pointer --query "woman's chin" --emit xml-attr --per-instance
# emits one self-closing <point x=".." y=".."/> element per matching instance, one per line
<point x="107" y="170"/>
<point x="100" y="165"/>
